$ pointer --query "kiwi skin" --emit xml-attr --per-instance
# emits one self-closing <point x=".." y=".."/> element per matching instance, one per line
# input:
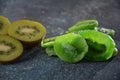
<point x="11" y="62"/>
<point x="33" y="43"/>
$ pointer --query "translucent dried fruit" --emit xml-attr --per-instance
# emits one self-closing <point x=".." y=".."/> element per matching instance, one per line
<point x="100" y="46"/>
<point x="83" y="25"/>
<point x="70" y="47"/>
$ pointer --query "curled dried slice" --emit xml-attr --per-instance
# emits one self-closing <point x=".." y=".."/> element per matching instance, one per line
<point x="100" y="46"/>
<point x="50" y="51"/>
<point x="83" y="25"/>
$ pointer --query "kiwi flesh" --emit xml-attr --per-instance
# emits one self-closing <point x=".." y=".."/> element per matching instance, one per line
<point x="4" y="23"/>
<point x="28" y="32"/>
<point x="70" y="47"/>
<point x="10" y="49"/>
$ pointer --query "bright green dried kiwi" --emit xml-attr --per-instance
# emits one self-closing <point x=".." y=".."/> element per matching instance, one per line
<point x="10" y="49"/>
<point x="48" y="42"/>
<point x="83" y="25"/>
<point x="70" y="47"/>
<point x="49" y="45"/>
<point x="101" y="47"/>
<point x="50" y="51"/>
<point x="29" y="32"/>
<point x="115" y="53"/>
<point x="4" y="23"/>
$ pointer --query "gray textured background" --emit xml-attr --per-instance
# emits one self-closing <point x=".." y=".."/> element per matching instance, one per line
<point x="57" y="16"/>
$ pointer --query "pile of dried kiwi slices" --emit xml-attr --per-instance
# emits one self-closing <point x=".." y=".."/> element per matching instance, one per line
<point x="84" y="40"/>
<point x="17" y="36"/>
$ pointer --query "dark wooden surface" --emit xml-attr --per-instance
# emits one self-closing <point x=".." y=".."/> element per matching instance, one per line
<point x="57" y="16"/>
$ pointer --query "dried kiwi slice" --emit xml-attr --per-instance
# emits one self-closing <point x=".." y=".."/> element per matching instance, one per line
<point x="101" y="46"/>
<point x="70" y="47"/>
<point x="10" y="49"/>
<point x="29" y="32"/>
<point x="50" y="51"/>
<point x="83" y="25"/>
<point x="4" y="23"/>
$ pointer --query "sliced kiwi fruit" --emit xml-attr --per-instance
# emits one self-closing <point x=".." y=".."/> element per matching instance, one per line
<point x="70" y="47"/>
<point x="28" y="32"/>
<point x="4" y="23"/>
<point x="10" y="49"/>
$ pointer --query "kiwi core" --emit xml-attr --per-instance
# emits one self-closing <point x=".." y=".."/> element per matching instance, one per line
<point x="27" y="30"/>
<point x="4" y="48"/>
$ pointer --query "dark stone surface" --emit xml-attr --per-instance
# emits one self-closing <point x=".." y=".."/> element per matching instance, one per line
<point x="57" y="16"/>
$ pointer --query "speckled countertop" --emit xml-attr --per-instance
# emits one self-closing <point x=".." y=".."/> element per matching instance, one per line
<point x="57" y="16"/>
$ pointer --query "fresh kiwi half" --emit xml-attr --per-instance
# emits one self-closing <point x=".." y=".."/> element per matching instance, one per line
<point x="29" y="32"/>
<point x="10" y="49"/>
<point x="4" y="23"/>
